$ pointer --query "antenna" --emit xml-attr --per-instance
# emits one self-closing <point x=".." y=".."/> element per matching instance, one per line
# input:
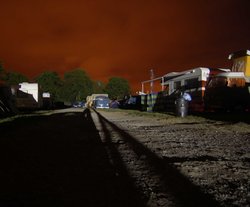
<point x="151" y="82"/>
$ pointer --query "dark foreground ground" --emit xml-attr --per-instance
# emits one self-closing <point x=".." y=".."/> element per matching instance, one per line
<point x="78" y="157"/>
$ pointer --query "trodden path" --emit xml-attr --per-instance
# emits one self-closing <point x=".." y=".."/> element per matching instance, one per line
<point x="80" y="158"/>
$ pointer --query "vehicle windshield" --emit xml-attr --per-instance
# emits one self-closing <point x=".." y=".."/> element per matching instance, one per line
<point x="217" y="82"/>
<point x="224" y="81"/>
<point x="236" y="82"/>
<point x="102" y="103"/>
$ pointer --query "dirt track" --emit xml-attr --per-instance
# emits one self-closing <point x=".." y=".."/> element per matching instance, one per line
<point x="112" y="158"/>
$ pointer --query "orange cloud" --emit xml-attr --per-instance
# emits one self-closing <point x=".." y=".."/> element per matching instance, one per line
<point x="121" y="38"/>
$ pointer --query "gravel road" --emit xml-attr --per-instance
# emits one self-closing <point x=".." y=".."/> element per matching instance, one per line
<point x="77" y="157"/>
<point x="189" y="161"/>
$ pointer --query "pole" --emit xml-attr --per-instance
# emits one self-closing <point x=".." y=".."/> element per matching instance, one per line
<point x="152" y="82"/>
<point x="142" y="87"/>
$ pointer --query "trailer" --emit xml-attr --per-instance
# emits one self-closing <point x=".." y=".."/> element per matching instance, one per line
<point x="193" y="82"/>
<point x="209" y="88"/>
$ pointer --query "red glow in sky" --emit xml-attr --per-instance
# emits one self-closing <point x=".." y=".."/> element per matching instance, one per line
<point x="121" y="38"/>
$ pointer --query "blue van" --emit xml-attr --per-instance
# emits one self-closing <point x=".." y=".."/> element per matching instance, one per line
<point x="101" y="102"/>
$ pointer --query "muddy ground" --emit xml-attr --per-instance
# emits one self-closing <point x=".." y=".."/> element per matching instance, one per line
<point x="78" y="157"/>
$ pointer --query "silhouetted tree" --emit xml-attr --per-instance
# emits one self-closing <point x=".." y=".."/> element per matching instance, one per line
<point x="98" y="87"/>
<point x="117" y="88"/>
<point x="77" y="85"/>
<point x="51" y="82"/>
<point x="14" y="78"/>
<point x="2" y="71"/>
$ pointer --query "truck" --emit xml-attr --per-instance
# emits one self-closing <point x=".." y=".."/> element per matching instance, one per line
<point x="230" y="91"/>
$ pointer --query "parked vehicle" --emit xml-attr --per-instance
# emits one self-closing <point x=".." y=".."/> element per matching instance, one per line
<point x="193" y="82"/>
<point x="101" y="102"/>
<point x="230" y="91"/>
<point x="227" y="92"/>
<point x="132" y="102"/>
<point x="91" y="100"/>
<point x="79" y="104"/>
<point x="114" y="104"/>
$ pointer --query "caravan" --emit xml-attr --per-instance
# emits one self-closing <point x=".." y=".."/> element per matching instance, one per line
<point x="193" y="82"/>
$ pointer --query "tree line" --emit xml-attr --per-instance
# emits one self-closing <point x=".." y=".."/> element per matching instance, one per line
<point x="75" y="85"/>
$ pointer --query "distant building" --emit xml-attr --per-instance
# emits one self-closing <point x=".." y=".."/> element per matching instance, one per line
<point x="27" y="95"/>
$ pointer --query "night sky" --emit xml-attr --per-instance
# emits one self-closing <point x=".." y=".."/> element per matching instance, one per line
<point x="121" y="38"/>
